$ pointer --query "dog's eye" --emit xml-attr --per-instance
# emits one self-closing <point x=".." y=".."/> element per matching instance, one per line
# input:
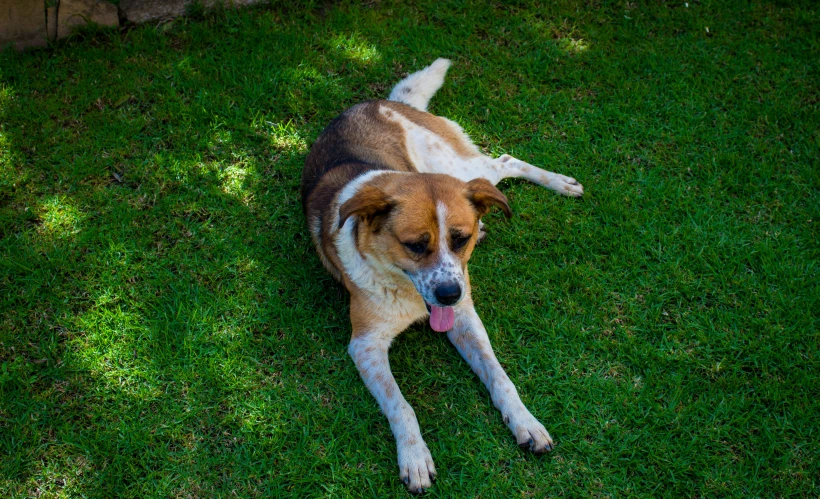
<point x="459" y="241"/>
<point x="418" y="248"/>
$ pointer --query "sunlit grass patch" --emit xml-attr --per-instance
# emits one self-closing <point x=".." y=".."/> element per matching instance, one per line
<point x="255" y="414"/>
<point x="572" y="45"/>
<point x="234" y="179"/>
<point x="60" y="216"/>
<point x="10" y="174"/>
<point x="220" y="138"/>
<point x="5" y="149"/>
<point x="6" y="93"/>
<point x="353" y="48"/>
<point x="286" y="137"/>
<point x="113" y="345"/>
<point x="63" y="474"/>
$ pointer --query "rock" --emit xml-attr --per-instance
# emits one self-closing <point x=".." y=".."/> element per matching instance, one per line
<point x="227" y="3"/>
<point x="140" y="11"/>
<point x="26" y="23"/>
<point x="22" y="23"/>
<point x="73" y="13"/>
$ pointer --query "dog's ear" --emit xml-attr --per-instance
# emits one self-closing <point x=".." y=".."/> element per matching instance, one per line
<point x="370" y="204"/>
<point x="484" y="196"/>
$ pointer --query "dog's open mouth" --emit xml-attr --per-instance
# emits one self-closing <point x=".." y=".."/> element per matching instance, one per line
<point x="441" y="318"/>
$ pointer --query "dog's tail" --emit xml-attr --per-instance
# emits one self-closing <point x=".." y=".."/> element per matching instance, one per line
<point x="417" y="89"/>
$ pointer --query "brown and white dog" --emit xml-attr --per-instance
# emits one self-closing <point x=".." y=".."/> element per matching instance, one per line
<point x="394" y="198"/>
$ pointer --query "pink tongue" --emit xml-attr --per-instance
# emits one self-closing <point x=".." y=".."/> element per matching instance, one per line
<point x="442" y="318"/>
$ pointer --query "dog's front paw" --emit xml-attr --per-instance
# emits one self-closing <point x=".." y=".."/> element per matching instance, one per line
<point x="416" y="468"/>
<point x="529" y="433"/>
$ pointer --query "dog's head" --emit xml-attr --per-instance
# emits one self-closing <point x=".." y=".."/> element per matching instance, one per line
<point x="426" y="226"/>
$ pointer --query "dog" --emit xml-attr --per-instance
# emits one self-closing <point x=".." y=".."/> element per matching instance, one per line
<point x="393" y="197"/>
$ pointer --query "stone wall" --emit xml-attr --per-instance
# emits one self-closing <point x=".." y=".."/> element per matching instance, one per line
<point x="31" y="23"/>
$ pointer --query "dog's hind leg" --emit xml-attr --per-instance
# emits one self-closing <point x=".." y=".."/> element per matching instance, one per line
<point x="510" y="167"/>
<point x="506" y="166"/>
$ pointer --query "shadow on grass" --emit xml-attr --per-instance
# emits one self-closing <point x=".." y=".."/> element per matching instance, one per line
<point x="167" y="310"/>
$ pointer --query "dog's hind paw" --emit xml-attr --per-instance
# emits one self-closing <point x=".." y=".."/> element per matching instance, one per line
<point x="567" y="186"/>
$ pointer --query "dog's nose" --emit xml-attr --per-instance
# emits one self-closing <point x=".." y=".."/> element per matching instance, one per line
<point x="447" y="294"/>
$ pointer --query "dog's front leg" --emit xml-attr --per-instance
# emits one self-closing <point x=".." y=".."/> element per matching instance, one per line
<point x="470" y="339"/>
<point x="369" y="352"/>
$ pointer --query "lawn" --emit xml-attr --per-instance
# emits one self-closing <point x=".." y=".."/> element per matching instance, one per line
<point x="166" y="329"/>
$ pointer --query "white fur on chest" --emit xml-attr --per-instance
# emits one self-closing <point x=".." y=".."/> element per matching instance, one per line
<point x="389" y="293"/>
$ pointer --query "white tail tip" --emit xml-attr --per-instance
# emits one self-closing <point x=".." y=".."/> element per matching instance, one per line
<point x="418" y="88"/>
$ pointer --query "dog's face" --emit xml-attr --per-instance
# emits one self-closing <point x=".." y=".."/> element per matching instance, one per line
<point x="424" y="226"/>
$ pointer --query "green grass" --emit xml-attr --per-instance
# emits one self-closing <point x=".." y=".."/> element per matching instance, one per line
<point x="167" y="331"/>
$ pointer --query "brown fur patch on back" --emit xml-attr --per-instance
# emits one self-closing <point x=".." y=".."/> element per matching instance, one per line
<point x="359" y="135"/>
<point x="447" y="130"/>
